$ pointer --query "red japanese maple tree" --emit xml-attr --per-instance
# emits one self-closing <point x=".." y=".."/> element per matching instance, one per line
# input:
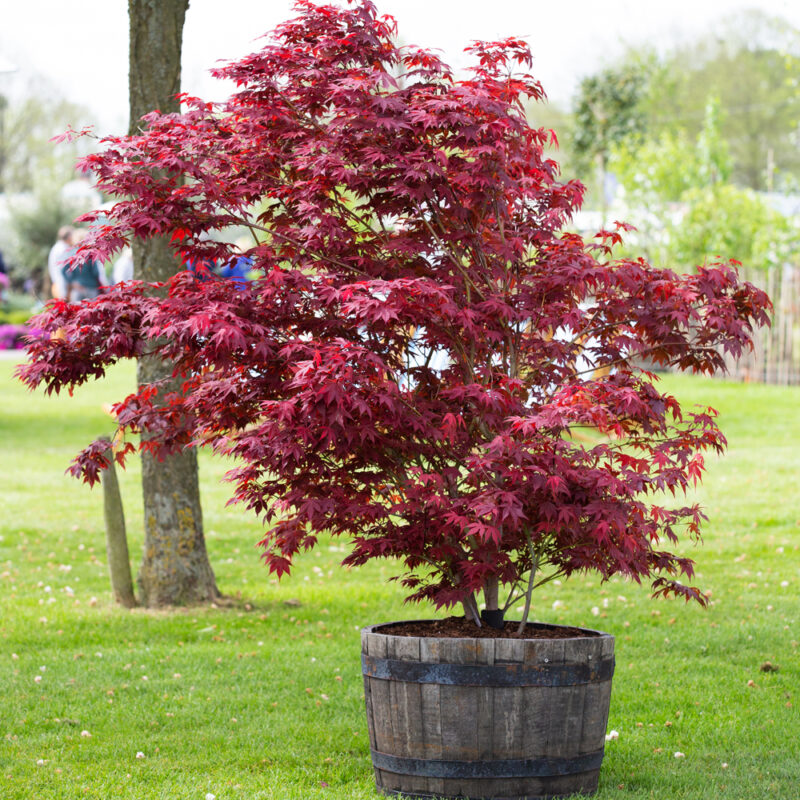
<point x="424" y="339"/>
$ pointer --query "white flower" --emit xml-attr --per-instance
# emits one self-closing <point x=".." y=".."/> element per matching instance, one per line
<point x="41" y="762"/>
<point x="680" y="755"/>
<point x="37" y="679"/>
<point x="210" y="796"/>
<point x="557" y="604"/>
<point x="595" y="611"/>
<point x="86" y="734"/>
<point x="611" y="735"/>
<point x="140" y="754"/>
<point x="724" y="765"/>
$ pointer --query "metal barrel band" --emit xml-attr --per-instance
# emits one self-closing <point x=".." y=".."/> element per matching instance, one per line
<point x="509" y="675"/>
<point x="545" y="767"/>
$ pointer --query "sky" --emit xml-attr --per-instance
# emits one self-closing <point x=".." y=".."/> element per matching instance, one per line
<point x="80" y="47"/>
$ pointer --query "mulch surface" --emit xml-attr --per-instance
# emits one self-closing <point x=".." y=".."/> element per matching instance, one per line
<point x="462" y="628"/>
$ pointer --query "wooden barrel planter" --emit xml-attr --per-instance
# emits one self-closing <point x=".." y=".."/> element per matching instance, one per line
<point x="486" y="718"/>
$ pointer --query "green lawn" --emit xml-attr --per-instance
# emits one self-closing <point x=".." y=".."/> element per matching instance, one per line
<point x="264" y="699"/>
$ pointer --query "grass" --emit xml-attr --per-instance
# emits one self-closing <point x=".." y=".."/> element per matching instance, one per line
<point x="264" y="700"/>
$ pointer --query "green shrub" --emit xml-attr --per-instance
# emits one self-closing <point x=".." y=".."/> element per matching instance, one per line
<point x="730" y="222"/>
<point x="14" y="316"/>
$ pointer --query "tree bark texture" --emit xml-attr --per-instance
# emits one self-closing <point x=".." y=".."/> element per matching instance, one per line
<point x="154" y="67"/>
<point x="175" y="569"/>
<point x="119" y="564"/>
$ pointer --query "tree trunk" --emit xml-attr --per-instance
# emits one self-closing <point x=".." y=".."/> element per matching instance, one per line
<point x="119" y="565"/>
<point x="154" y="66"/>
<point x="175" y="567"/>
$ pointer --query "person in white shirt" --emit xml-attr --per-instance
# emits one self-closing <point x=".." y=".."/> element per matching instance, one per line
<point x="83" y="280"/>
<point x="123" y="267"/>
<point x="55" y="261"/>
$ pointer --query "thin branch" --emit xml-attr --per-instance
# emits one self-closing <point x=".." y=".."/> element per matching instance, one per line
<point x="471" y="609"/>
<point x="468" y="282"/>
<point x="320" y="256"/>
<point x="542" y="582"/>
<point x="534" y="566"/>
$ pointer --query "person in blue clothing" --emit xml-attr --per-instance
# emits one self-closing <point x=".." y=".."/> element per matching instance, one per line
<point x="236" y="269"/>
<point x="83" y="281"/>
<point x="4" y="281"/>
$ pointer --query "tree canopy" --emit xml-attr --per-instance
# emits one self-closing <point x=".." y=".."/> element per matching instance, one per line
<point x="425" y="339"/>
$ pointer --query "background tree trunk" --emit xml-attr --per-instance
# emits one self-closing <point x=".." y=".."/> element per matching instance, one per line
<point x="175" y="567"/>
<point x="119" y="565"/>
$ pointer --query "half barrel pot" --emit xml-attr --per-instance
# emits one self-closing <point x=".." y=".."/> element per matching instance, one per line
<point x="486" y="718"/>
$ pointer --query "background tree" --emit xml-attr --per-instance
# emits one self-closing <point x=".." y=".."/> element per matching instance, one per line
<point x="752" y="64"/>
<point x="28" y="160"/>
<point x="607" y="112"/>
<point x="659" y="169"/>
<point x="678" y="195"/>
<point x="34" y="224"/>
<point x="32" y="175"/>
<point x="175" y="568"/>
<point x="655" y="175"/>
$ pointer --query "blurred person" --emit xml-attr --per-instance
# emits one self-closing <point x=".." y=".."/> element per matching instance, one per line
<point x="55" y="261"/>
<point x="4" y="280"/>
<point x="83" y="280"/>
<point x="123" y="267"/>
<point x="4" y="283"/>
<point x="238" y="267"/>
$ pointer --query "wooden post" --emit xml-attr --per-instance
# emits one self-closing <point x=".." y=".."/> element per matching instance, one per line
<point x="119" y="565"/>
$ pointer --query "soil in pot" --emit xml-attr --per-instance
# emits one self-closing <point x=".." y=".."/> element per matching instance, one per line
<point x="462" y="628"/>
